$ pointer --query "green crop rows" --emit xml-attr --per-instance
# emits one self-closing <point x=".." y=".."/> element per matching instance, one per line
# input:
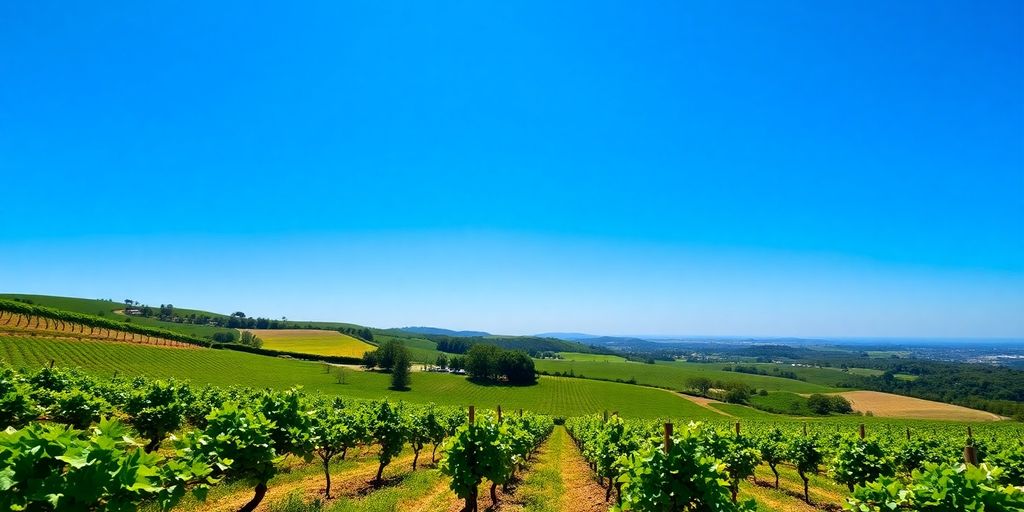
<point x="559" y="396"/>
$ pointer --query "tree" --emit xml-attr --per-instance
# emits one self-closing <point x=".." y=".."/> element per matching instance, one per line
<point x="517" y="367"/>
<point x="819" y="404"/>
<point x="840" y="404"/>
<point x="400" y="369"/>
<point x="370" y="359"/>
<point x="251" y="340"/>
<point x="737" y="395"/>
<point x="825" y="404"/>
<point x="481" y="361"/>
<point x="701" y="384"/>
<point x="225" y="337"/>
<point x="384" y="356"/>
<point x="442" y="361"/>
<point x="457" y="363"/>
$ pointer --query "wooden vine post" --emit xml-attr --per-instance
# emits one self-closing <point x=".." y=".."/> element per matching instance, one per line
<point x="970" y="452"/>
<point x="862" y="431"/>
<point x="499" y="413"/>
<point x="668" y="438"/>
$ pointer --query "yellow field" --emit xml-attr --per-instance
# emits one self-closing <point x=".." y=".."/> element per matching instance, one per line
<point x="311" y="341"/>
<point x="886" y="405"/>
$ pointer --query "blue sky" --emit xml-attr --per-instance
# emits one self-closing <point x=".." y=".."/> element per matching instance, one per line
<point x="742" y="168"/>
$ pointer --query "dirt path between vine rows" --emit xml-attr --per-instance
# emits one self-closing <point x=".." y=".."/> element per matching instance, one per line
<point x="556" y="479"/>
<point x="350" y="481"/>
<point x="582" y="492"/>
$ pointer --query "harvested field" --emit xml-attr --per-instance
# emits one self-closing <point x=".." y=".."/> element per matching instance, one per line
<point x="887" y="405"/>
<point x="312" y="341"/>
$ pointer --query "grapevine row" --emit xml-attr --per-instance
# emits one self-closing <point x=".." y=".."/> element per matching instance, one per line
<point x="30" y="312"/>
<point x="76" y="442"/>
<point x="653" y="466"/>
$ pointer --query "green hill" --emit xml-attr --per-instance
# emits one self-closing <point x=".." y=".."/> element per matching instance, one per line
<point x="108" y="308"/>
<point x="423" y="347"/>
<point x="559" y="396"/>
<point x="672" y="375"/>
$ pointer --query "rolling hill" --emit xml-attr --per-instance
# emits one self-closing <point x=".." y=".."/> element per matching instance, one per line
<point x="442" y="332"/>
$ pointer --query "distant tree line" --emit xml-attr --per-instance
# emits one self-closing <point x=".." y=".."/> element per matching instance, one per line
<point x="236" y="320"/>
<point x="995" y="389"/>
<point x="730" y="391"/>
<point x="531" y="345"/>
<point x="451" y="362"/>
<point x="453" y="345"/>
<point x="753" y="370"/>
<point x="827" y="404"/>
<point x="489" y="363"/>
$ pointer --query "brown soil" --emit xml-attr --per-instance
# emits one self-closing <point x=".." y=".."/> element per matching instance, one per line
<point x="428" y="502"/>
<point x="582" y="492"/>
<point x="353" y="481"/>
<point x="897" y="406"/>
<point x="705" y="403"/>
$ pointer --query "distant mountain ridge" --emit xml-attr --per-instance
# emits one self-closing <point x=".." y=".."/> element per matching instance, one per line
<point x="443" y="332"/>
<point x="571" y="336"/>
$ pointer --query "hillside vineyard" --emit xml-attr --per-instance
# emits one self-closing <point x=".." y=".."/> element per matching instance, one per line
<point x="177" y="444"/>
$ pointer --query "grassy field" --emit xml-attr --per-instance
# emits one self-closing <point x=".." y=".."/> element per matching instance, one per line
<point x="673" y="375"/>
<point x="420" y="350"/>
<point x="868" y="372"/>
<point x="748" y="413"/>
<point x="310" y="341"/>
<point x="579" y="356"/>
<point x="781" y="402"/>
<point x="560" y="396"/>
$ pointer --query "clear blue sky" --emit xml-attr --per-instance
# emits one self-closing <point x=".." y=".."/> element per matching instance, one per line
<point x="750" y="168"/>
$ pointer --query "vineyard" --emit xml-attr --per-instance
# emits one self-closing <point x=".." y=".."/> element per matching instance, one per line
<point x="175" y="445"/>
<point x="227" y="368"/>
<point x="21" y="318"/>
<point x="653" y="466"/>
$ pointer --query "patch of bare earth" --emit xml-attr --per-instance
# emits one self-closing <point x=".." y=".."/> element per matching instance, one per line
<point x="428" y="502"/>
<point x="353" y="481"/>
<point x="582" y="492"/>
<point x="705" y="403"/>
<point x="888" y="405"/>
